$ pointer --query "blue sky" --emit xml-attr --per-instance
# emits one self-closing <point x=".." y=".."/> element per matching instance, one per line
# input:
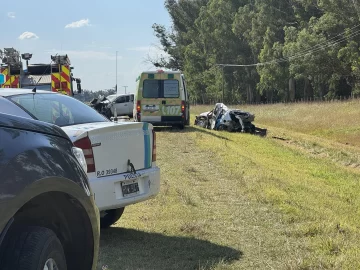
<point x="90" y="32"/>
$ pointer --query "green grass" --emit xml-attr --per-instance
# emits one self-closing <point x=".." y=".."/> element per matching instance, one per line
<point x="237" y="201"/>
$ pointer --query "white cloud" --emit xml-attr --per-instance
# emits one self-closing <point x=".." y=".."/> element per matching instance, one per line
<point x="11" y="15"/>
<point x="88" y="54"/>
<point x="78" y="24"/>
<point x="28" y="35"/>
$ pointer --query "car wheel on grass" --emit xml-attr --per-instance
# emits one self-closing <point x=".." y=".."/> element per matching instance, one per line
<point x="33" y="248"/>
<point x="109" y="217"/>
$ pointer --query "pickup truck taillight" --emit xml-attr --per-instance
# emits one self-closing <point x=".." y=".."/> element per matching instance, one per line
<point x="154" y="146"/>
<point x="85" y="145"/>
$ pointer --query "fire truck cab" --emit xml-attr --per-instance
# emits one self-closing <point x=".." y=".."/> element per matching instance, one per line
<point x="56" y="76"/>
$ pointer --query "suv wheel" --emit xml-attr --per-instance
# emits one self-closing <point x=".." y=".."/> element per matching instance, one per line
<point x="110" y="217"/>
<point x="33" y="248"/>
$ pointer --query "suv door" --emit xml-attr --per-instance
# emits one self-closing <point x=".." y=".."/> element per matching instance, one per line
<point x="120" y="105"/>
<point x="127" y="105"/>
<point x="131" y="104"/>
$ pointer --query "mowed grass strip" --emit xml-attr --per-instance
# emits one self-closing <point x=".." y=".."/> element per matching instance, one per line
<point x="202" y="218"/>
<point x="237" y="201"/>
<point x="318" y="200"/>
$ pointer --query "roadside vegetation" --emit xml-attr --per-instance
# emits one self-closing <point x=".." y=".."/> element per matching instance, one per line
<point x="238" y="201"/>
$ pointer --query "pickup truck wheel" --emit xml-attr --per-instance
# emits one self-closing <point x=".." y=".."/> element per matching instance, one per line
<point x="109" y="217"/>
<point x="34" y="248"/>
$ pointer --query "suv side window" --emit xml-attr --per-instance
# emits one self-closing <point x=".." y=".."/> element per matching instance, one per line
<point x="120" y="100"/>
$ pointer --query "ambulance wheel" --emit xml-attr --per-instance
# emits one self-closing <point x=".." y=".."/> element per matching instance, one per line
<point x="109" y="217"/>
<point x="180" y="126"/>
<point x="188" y="121"/>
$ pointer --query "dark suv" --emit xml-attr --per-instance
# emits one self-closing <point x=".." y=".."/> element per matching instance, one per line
<point x="48" y="217"/>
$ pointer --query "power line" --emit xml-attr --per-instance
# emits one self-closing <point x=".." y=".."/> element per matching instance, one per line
<point x="301" y="53"/>
<point x="328" y="40"/>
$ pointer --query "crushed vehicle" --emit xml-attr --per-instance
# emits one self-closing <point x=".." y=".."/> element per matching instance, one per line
<point x="114" y="105"/>
<point x="120" y="156"/>
<point x="232" y="120"/>
<point x="101" y="105"/>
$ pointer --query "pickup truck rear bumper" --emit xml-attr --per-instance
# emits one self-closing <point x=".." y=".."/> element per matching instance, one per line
<point x="108" y="190"/>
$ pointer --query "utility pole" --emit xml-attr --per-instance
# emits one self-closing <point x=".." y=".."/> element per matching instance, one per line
<point x="116" y="73"/>
<point x="223" y="81"/>
<point x="223" y="84"/>
<point x="125" y="86"/>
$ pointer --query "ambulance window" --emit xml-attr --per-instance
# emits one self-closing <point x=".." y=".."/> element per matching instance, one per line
<point x="171" y="89"/>
<point x="151" y="89"/>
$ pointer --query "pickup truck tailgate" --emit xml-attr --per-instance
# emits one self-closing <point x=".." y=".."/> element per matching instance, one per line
<point x="115" y="145"/>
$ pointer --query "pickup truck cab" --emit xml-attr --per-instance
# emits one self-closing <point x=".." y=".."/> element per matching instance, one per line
<point x="120" y="156"/>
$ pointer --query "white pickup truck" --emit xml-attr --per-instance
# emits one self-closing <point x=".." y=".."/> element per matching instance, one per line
<point x="121" y="162"/>
<point x="120" y="157"/>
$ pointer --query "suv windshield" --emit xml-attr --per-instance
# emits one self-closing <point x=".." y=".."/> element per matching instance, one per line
<point x="161" y="89"/>
<point x="58" y="109"/>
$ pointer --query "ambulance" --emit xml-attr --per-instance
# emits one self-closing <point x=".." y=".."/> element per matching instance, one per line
<point x="162" y="99"/>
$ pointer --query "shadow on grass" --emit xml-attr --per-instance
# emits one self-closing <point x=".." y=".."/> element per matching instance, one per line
<point x="132" y="249"/>
<point x="189" y="129"/>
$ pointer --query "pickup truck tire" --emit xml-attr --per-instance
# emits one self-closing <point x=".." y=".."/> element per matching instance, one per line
<point x="33" y="248"/>
<point x="110" y="217"/>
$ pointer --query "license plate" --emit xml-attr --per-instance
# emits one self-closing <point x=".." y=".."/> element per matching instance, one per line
<point x="130" y="187"/>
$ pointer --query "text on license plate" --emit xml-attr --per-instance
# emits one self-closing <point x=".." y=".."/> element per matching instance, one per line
<point x="130" y="187"/>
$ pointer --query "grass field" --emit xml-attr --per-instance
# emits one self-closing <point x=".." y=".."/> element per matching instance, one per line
<point x="237" y="201"/>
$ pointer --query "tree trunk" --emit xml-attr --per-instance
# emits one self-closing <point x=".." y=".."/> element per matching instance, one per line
<point x="270" y="95"/>
<point x="249" y="93"/>
<point x="308" y="90"/>
<point x="292" y="89"/>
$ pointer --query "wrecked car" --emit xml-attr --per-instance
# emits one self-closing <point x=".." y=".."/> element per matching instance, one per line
<point x="101" y="105"/>
<point x="223" y="118"/>
<point x="114" y="105"/>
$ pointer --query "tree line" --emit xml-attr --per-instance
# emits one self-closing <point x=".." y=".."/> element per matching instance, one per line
<point x="285" y="50"/>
